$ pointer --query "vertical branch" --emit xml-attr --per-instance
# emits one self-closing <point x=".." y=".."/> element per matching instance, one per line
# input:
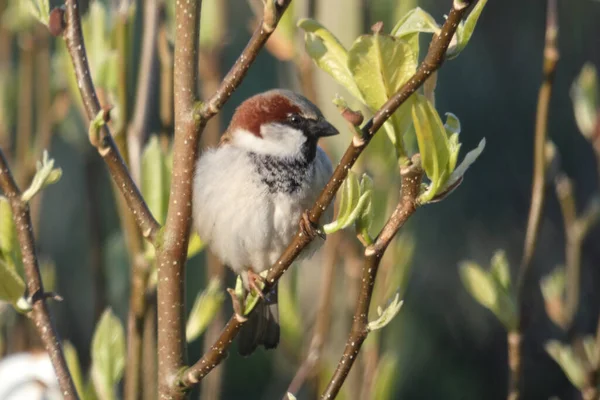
<point x="551" y="56"/>
<point x="171" y="255"/>
<point x="35" y="288"/>
<point x="411" y="183"/>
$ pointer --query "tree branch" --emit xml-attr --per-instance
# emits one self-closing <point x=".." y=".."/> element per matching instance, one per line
<point x="35" y="288"/>
<point x="411" y="184"/>
<point x="432" y="62"/>
<point x="551" y="56"/>
<point x="106" y="146"/>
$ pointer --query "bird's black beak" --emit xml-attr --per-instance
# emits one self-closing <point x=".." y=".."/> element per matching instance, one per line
<point x="322" y="128"/>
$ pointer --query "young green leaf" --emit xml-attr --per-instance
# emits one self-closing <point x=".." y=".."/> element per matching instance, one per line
<point x="499" y="270"/>
<point x="195" y="246"/>
<point x="568" y="361"/>
<point x="8" y="233"/>
<point x="45" y="175"/>
<point x="364" y="221"/>
<point x="204" y="310"/>
<point x="584" y="93"/>
<point x="479" y="284"/>
<point x="328" y="53"/>
<point x="457" y="174"/>
<point x="386" y="316"/>
<point x="465" y="29"/>
<point x="433" y="145"/>
<point x="108" y="355"/>
<point x="416" y="20"/>
<point x="380" y="65"/>
<point x="352" y="204"/>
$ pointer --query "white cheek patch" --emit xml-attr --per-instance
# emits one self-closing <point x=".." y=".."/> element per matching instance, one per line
<point x="277" y="140"/>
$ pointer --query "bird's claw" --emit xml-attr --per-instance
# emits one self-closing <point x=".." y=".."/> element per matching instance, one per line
<point x="253" y="279"/>
<point x="308" y="228"/>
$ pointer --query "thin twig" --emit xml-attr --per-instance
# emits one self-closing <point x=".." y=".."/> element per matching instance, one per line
<point x="138" y="130"/>
<point x="551" y="56"/>
<point x="107" y="148"/>
<point x="433" y="60"/>
<point x="35" y="288"/>
<point x="411" y="183"/>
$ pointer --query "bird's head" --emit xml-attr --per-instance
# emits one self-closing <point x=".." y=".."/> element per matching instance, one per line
<point x="278" y="123"/>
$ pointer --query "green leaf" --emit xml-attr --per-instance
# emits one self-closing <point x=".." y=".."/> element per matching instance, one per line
<point x="584" y="93"/>
<point x="386" y="376"/>
<point x="195" y="246"/>
<point x="459" y="172"/>
<point x="416" y="20"/>
<point x="433" y="145"/>
<point x="380" y="65"/>
<point x="452" y="127"/>
<point x="500" y="270"/>
<point x="465" y="29"/>
<point x="206" y="306"/>
<point x="351" y="203"/>
<point x="568" y="361"/>
<point x="386" y="316"/>
<point x="479" y="284"/>
<point x="45" y="175"/>
<point x="290" y="396"/>
<point x="74" y="367"/>
<point x="12" y="286"/>
<point x="328" y="53"/>
<point x="108" y="355"/>
<point x="155" y="179"/>
<point x="9" y="245"/>
<point x="364" y="221"/>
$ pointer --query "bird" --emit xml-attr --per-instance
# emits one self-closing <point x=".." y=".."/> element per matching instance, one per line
<point x="253" y="190"/>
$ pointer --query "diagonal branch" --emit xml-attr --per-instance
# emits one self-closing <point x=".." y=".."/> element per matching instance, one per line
<point x="107" y="148"/>
<point x="432" y="62"/>
<point x="35" y="288"/>
<point x="411" y="183"/>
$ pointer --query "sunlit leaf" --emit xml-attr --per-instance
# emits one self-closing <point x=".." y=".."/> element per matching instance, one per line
<point x="500" y="270"/>
<point x="45" y="175"/>
<point x="108" y="355"/>
<point x="9" y="246"/>
<point x="416" y="20"/>
<point x="380" y="65"/>
<point x="352" y="203"/>
<point x="205" y="307"/>
<point x="479" y="284"/>
<point x="364" y="221"/>
<point x="584" y="93"/>
<point x="465" y="29"/>
<point x="329" y="54"/>
<point x="433" y="145"/>
<point x="459" y="171"/>
<point x="568" y="361"/>
<point x="195" y="246"/>
<point x="387" y="315"/>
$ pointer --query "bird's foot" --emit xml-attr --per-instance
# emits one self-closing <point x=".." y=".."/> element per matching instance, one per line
<point x="255" y="281"/>
<point x="308" y="228"/>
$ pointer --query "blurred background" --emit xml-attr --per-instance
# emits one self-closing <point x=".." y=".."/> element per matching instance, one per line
<point x="443" y="344"/>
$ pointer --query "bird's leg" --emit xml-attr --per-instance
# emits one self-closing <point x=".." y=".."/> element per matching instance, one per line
<point x="253" y="278"/>
<point x="308" y="228"/>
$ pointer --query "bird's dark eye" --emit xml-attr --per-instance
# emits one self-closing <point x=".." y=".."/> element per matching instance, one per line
<point x="294" y="118"/>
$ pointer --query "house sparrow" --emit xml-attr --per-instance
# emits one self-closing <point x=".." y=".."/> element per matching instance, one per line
<point x="253" y="189"/>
